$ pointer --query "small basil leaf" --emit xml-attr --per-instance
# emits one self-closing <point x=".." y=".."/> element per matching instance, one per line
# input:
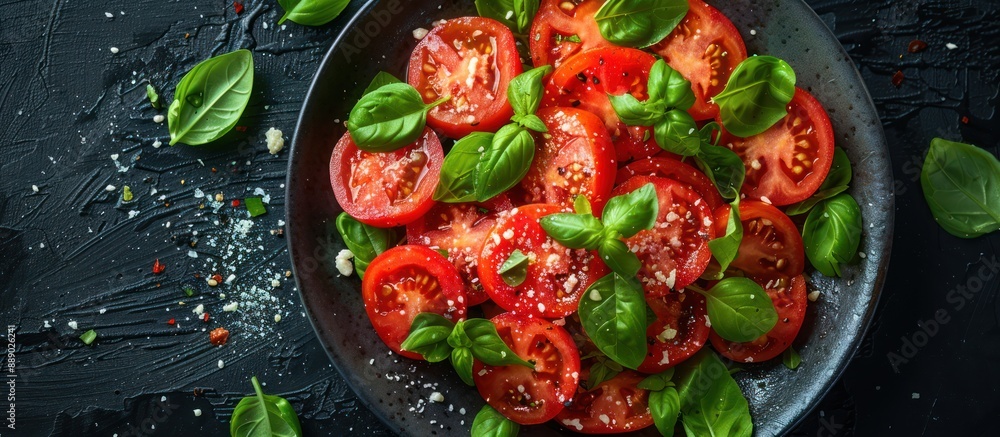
<point x="639" y="23"/>
<point x="665" y="406"/>
<point x="223" y="84"/>
<point x="531" y="121"/>
<point x="836" y="182"/>
<point x="723" y="167"/>
<point x="960" y="183"/>
<point x="505" y="162"/>
<point x="832" y="233"/>
<point x="658" y="381"/>
<point x="756" y="96"/>
<point x="740" y="309"/>
<point x="602" y="370"/>
<point x="366" y="242"/>
<point x="458" y="338"/>
<point x="524" y="12"/>
<point x="633" y="112"/>
<point x="617" y="256"/>
<point x="154" y="98"/>
<point x="381" y="79"/>
<point x="490" y="423"/>
<point x="461" y="360"/>
<point x="677" y="132"/>
<point x="711" y="401"/>
<point x="311" y="12"/>
<point x="264" y="414"/>
<point x="726" y="247"/>
<point x="581" y="204"/>
<point x="630" y="213"/>
<point x="388" y="118"/>
<point x="458" y="172"/>
<point x="488" y="347"/>
<point x="515" y="269"/>
<point x="790" y="358"/>
<point x="575" y="231"/>
<point x="613" y="314"/>
<point x="429" y="334"/>
<point x="525" y="90"/>
<point x="670" y="86"/>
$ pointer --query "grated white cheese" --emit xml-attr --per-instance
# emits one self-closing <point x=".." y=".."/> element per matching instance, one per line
<point x="343" y="262"/>
<point x="275" y="141"/>
<point x="73" y="324"/>
<point x="231" y="306"/>
<point x="419" y="33"/>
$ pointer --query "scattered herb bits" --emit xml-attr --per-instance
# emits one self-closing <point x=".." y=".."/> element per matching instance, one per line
<point x="210" y="98"/>
<point x="88" y="337"/>
<point x="255" y="206"/>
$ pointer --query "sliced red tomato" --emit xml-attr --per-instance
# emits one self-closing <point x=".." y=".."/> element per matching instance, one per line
<point x="405" y="281"/>
<point x="771" y="245"/>
<point x="470" y="59"/>
<point x="679" y="332"/>
<point x="585" y="80"/>
<point x="676" y="170"/>
<point x="556" y="276"/>
<point x="705" y="48"/>
<point x="564" y="28"/>
<point x="614" y="406"/>
<point x="530" y="396"/>
<point x="575" y="157"/>
<point x="675" y="252"/>
<point x="789" y="298"/>
<point x="788" y="162"/>
<point x="386" y="189"/>
<point x="460" y="229"/>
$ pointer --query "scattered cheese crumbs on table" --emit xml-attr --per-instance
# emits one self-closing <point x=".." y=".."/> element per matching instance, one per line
<point x="103" y="310"/>
<point x="34" y="188"/>
<point x="813" y="295"/>
<point x="114" y="50"/>
<point x="110" y="188"/>
<point x="916" y="396"/>
<point x="951" y="46"/>
<point x="419" y="33"/>
<point x="157" y="144"/>
<point x="275" y="141"/>
<point x="343" y="262"/>
<point x="197" y="412"/>
<point x="158" y="118"/>
<point x="277" y="318"/>
<point x="231" y="306"/>
<point x="199" y="310"/>
<point x="73" y="324"/>
<point x="436" y="397"/>
<point x="109" y="15"/>
<point x="221" y="364"/>
<point x="753" y="31"/>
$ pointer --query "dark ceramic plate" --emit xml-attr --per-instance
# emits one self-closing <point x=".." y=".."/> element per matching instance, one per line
<point x="396" y="389"/>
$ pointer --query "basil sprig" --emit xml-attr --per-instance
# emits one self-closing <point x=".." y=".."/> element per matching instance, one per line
<point x="428" y="336"/>
<point x="664" y="401"/>
<point x="726" y="247"/>
<point x="505" y="162"/>
<point x="960" y="183"/>
<point x="670" y="96"/>
<point x="264" y="414"/>
<point x="623" y="217"/>
<point x="710" y="400"/>
<point x="639" y="23"/>
<point x="391" y="116"/>
<point x="490" y="423"/>
<point x="458" y="172"/>
<point x="210" y="99"/>
<point x="525" y="95"/>
<point x="832" y="233"/>
<point x="311" y="12"/>
<point x="602" y="370"/>
<point x="739" y="308"/>
<point x="756" y="96"/>
<point x="613" y="314"/>
<point x="836" y="182"/>
<point x="366" y="242"/>
<point x="515" y="14"/>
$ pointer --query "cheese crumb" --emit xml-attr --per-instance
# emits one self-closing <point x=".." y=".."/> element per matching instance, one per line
<point x="34" y="188"/>
<point x="221" y="364"/>
<point x="72" y="324"/>
<point x="419" y="33"/>
<point x="114" y="50"/>
<point x="343" y="262"/>
<point x="110" y="188"/>
<point x="197" y="412"/>
<point x="951" y="46"/>
<point x="231" y="306"/>
<point x="813" y="296"/>
<point x="275" y="141"/>
<point x="158" y="118"/>
<point x="436" y="397"/>
<point x="915" y="395"/>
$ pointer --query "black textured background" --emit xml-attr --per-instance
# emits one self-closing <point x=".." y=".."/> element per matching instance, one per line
<point x="67" y="103"/>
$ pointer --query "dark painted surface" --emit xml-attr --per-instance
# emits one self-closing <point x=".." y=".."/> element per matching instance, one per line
<point x="67" y="104"/>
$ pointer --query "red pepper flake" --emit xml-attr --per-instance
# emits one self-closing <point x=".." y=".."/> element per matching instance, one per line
<point x="897" y="79"/>
<point x="965" y="120"/>
<point x="917" y="46"/>
<point x="236" y="203"/>
<point x="172" y="322"/>
<point x="241" y="128"/>
<point x="158" y="267"/>
<point x="238" y="7"/>
<point x="217" y="277"/>
<point x="218" y="336"/>
<point x="204" y="316"/>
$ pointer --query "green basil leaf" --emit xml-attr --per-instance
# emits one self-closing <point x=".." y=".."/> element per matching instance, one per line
<point x="633" y="112"/>
<point x="154" y="97"/>
<point x="670" y="86"/>
<point x="602" y="370"/>
<point x="429" y="334"/>
<point x="381" y="79"/>
<point x="515" y="14"/>
<point x="210" y="99"/>
<point x="790" y="358"/>
<point x="525" y="90"/>
<point x="665" y="406"/>
<point x="524" y="12"/>
<point x="490" y="423"/>
<point x="617" y="256"/>
<point x="581" y="204"/>
<point x="726" y="247"/>
<point x="575" y="231"/>
<point x="458" y="338"/>
<point x="832" y="233"/>
<point x="740" y="309"/>
<point x="389" y="117"/>
<point x="630" y="213"/>
<point x="723" y="167"/>
<point x="505" y="162"/>
<point x="488" y="347"/>
<point x="458" y="172"/>
<point x="88" y="337"/>
<point x="639" y="23"/>
<point x="613" y="314"/>
<point x="711" y="401"/>
<point x="961" y="183"/>
<point x="262" y="414"/>
<point x="515" y="269"/>
<point x="366" y="242"/>
<point x="677" y="132"/>
<point x="311" y="12"/>
<point x="756" y="96"/>
<point x="836" y="182"/>
<point x="819" y="196"/>
<point x="658" y="381"/>
<point x="530" y="121"/>
<point x="461" y="360"/>
<point x="255" y="206"/>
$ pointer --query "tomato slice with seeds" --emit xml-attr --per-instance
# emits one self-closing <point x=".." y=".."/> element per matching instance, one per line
<point x="460" y="229"/>
<point x="386" y="189"/>
<point x="575" y="157"/>
<point x="556" y="276"/>
<point x="705" y="48"/>
<point x="771" y="245"/>
<point x="675" y="252"/>
<point x="530" y="396"/>
<point x="470" y="59"/>
<point x="788" y="162"/>
<point x="680" y="330"/>
<point x="564" y="28"/>
<point x="790" y="299"/>
<point x="405" y="281"/>
<point x="677" y="170"/>
<point x="585" y="80"/>
<point x="614" y="406"/>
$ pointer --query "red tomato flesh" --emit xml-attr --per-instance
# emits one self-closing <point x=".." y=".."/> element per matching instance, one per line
<point x="614" y="406"/>
<point x="674" y="169"/>
<point x="564" y="28"/>
<point x="771" y="245"/>
<point x="681" y="330"/>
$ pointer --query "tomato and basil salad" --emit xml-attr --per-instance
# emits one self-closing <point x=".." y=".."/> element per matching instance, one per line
<point x="611" y="186"/>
